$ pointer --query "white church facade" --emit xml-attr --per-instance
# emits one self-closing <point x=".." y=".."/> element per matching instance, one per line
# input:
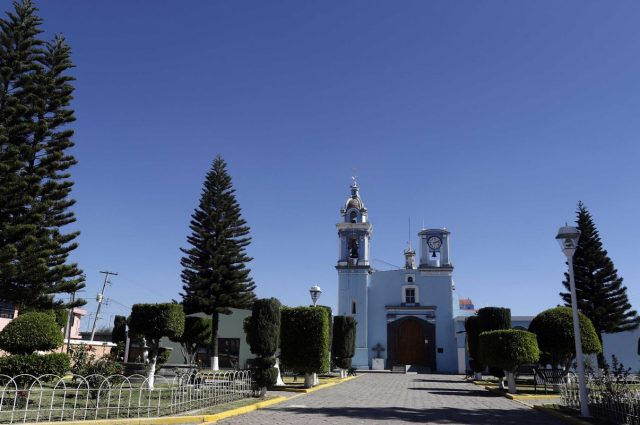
<point x="406" y="317"/>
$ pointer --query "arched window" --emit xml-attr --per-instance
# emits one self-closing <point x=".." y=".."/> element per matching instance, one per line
<point x="353" y="217"/>
<point x="639" y="346"/>
<point x="353" y="307"/>
<point x="410" y="279"/>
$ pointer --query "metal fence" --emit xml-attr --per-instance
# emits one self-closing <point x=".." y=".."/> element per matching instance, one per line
<point x="49" y="398"/>
<point x="611" y="398"/>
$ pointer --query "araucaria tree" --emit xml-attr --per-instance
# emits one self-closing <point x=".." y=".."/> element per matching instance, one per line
<point x="599" y="291"/>
<point x="214" y="273"/>
<point x="35" y="139"/>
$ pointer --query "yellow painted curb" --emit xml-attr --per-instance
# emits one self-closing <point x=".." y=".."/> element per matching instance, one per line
<point x="326" y="384"/>
<point x="521" y="397"/>
<point x="210" y="419"/>
<point x="561" y="416"/>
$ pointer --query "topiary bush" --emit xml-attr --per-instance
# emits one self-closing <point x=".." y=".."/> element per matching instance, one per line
<point x="304" y="342"/>
<point x="34" y="364"/>
<point x="494" y="318"/>
<point x="507" y="349"/>
<point x="197" y="334"/>
<point x="152" y="322"/>
<point x="554" y="332"/>
<point x="344" y="341"/>
<point x="263" y="337"/>
<point x="472" y="327"/>
<point x="29" y="332"/>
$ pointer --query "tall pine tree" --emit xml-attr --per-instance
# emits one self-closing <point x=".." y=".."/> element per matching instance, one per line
<point x="215" y="275"/>
<point x="599" y="291"/>
<point x="35" y="93"/>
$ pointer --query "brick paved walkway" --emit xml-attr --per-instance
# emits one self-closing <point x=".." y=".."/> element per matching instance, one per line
<point x="395" y="398"/>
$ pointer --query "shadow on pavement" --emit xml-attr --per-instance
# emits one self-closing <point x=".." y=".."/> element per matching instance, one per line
<point x="443" y="415"/>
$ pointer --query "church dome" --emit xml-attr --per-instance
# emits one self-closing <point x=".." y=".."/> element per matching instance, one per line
<point x="354" y="203"/>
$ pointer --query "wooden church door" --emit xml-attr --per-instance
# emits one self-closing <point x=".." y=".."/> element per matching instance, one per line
<point x="411" y="343"/>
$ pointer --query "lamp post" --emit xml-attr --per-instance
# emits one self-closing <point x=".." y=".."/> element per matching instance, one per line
<point x="568" y="238"/>
<point x="315" y="292"/>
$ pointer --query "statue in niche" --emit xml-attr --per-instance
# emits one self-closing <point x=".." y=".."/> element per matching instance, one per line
<point x="353" y="248"/>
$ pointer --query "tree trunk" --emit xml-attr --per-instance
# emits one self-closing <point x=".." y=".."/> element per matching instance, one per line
<point x="214" y="340"/>
<point x="308" y="380"/>
<point x="511" y="379"/>
<point x="153" y="358"/>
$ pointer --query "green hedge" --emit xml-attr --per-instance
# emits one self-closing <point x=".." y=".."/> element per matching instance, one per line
<point x="507" y="349"/>
<point x="344" y="341"/>
<point x="554" y="331"/>
<point x="304" y="337"/>
<point x="472" y="326"/>
<point x="119" y="332"/>
<point x="29" y="332"/>
<point x="35" y="364"/>
<point x="494" y="318"/>
<point x="265" y="327"/>
<point x="155" y="321"/>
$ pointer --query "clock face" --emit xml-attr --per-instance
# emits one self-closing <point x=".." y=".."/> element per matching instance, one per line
<point x="434" y="242"/>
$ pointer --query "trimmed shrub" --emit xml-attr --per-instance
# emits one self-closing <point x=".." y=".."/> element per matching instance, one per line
<point x="119" y="332"/>
<point x="472" y="326"/>
<point x="197" y="334"/>
<point x="35" y="364"/>
<point x="343" y="346"/>
<point x="263" y="337"/>
<point x="265" y="327"/>
<point x="507" y="349"/>
<point x="494" y="318"/>
<point x="29" y="332"/>
<point x="304" y="337"/>
<point x="154" y="321"/>
<point x="554" y="332"/>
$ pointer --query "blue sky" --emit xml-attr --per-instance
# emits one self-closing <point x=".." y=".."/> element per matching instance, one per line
<point x="491" y="118"/>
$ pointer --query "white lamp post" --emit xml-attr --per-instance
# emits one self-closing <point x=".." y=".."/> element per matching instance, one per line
<point x="568" y="238"/>
<point x="315" y="292"/>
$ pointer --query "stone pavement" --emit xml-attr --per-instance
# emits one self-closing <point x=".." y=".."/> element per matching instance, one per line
<point x="394" y="399"/>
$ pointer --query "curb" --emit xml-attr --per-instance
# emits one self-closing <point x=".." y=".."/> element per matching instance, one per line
<point x="521" y="397"/>
<point x="561" y="416"/>
<point x="313" y="389"/>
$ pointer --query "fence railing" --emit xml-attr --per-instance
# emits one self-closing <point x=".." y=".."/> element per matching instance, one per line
<point x="614" y="399"/>
<point x="49" y="398"/>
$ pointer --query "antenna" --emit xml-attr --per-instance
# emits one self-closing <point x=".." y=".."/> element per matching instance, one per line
<point x="409" y="233"/>
<point x="354" y="176"/>
<point x="100" y="298"/>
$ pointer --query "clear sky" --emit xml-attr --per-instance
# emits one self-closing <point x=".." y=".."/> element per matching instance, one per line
<point x="491" y="118"/>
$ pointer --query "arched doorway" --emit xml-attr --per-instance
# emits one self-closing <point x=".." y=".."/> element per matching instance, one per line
<point x="411" y="341"/>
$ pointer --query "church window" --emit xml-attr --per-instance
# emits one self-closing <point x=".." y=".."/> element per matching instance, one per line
<point x="410" y="279"/>
<point x="353" y="217"/>
<point x="410" y="295"/>
<point x="353" y="307"/>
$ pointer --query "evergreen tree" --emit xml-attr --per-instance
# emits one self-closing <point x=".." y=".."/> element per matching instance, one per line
<point x="599" y="291"/>
<point x="214" y="272"/>
<point x="35" y="93"/>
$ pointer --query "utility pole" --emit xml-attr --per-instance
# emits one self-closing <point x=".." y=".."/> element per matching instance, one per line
<point x="69" y="322"/>
<point x="100" y="298"/>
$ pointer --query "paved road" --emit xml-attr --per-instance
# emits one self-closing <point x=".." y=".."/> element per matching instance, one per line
<point x="394" y="399"/>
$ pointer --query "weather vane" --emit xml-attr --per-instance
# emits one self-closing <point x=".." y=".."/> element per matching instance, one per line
<point x="354" y="176"/>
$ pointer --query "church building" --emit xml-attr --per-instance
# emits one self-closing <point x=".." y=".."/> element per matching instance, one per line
<point x="407" y="317"/>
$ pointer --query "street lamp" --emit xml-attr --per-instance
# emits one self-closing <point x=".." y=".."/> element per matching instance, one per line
<point x="315" y="292"/>
<point x="568" y="239"/>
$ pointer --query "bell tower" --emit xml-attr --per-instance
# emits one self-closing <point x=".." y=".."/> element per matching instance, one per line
<point x="354" y="272"/>
<point x="434" y="249"/>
